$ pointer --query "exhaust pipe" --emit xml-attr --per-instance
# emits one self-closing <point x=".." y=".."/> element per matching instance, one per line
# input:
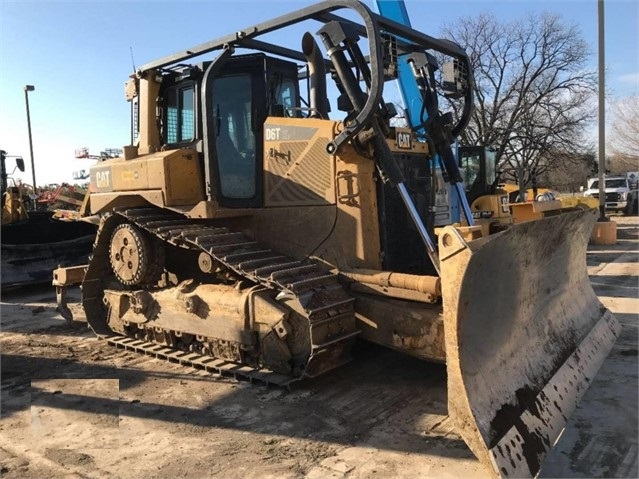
<point x="317" y="71"/>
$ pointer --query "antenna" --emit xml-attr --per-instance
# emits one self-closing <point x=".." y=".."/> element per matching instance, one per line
<point x="132" y="60"/>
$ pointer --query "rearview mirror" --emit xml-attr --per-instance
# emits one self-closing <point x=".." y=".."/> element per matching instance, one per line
<point x="20" y="164"/>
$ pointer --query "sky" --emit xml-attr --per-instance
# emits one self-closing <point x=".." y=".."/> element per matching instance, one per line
<point x="78" y="54"/>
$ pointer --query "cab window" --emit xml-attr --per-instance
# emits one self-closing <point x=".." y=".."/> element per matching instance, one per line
<point x="287" y="98"/>
<point x="470" y="167"/>
<point x="180" y="115"/>
<point x="235" y="139"/>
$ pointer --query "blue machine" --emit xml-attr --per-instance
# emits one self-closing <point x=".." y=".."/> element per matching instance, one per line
<point x="413" y="104"/>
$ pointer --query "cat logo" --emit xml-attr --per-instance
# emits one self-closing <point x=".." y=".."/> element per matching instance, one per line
<point x="103" y="179"/>
<point x="404" y="140"/>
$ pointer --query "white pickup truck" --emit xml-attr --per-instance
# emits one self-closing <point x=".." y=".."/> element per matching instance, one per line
<point x="621" y="192"/>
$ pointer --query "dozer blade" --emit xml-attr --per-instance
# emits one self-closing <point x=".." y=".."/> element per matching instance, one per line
<point x="525" y="335"/>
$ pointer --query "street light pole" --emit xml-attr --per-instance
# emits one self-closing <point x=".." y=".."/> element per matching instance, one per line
<point x="602" y="110"/>
<point x="27" y="89"/>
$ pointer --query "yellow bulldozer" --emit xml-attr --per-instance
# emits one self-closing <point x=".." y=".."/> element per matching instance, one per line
<point x="267" y="214"/>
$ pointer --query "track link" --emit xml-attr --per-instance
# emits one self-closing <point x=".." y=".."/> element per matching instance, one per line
<point x="323" y="299"/>
<point x="200" y="361"/>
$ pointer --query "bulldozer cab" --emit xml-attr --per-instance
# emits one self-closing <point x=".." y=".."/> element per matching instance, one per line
<point x="221" y="107"/>
<point x="478" y="167"/>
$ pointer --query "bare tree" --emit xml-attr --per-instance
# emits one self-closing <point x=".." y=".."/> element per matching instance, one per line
<point x="624" y="141"/>
<point x="531" y="90"/>
<point x="569" y="172"/>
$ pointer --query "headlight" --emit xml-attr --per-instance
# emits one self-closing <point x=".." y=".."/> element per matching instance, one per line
<point x="623" y="196"/>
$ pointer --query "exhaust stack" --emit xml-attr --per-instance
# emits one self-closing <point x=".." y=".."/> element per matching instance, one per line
<point x="317" y="71"/>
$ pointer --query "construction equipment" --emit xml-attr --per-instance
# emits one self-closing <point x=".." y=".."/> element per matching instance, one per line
<point x="108" y="153"/>
<point x="83" y="154"/>
<point x="475" y="190"/>
<point x="489" y="203"/>
<point x="245" y="231"/>
<point x="13" y="209"/>
<point x="495" y="206"/>
<point x="64" y="193"/>
<point x="33" y="242"/>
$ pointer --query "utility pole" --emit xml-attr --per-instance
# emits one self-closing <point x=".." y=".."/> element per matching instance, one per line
<point x="602" y="113"/>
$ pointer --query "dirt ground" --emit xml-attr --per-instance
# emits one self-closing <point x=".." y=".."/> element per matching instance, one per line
<point x="73" y="406"/>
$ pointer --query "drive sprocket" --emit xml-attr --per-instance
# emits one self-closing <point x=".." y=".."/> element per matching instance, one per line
<point x="133" y="258"/>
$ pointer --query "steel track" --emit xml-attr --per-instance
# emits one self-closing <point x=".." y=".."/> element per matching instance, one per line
<point x="318" y="291"/>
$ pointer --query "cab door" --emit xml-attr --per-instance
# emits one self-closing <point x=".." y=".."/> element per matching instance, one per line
<point x="235" y="107"/>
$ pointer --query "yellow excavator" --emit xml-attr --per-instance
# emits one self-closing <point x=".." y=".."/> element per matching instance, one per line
<point x="256" y="227"/>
